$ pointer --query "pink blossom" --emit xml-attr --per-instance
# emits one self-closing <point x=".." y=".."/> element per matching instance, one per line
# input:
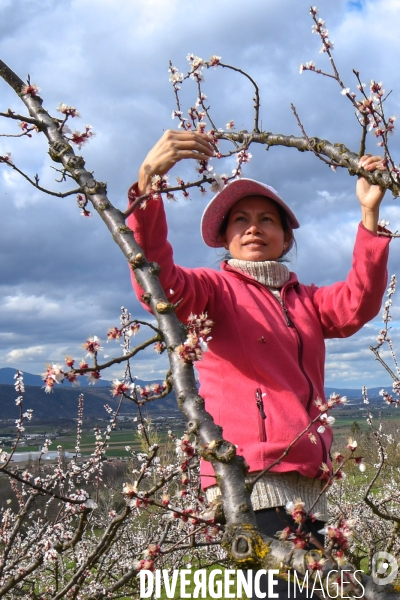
<point x="219" y="182"/>
<point x="159" y="182"/>
<point x="69" y="361"/>
<point x="352" y="444"/>
<point x="114" y="334"/>
<point x="284" y="534"/>
<point x="19" y="382"/>
<point x="152" y="550"/>
<point x="175" y="76"/>
<point x="26" y="476"/>
<point x="147" y="565"/>
<point x="243" y="156"/>
<point x="296" y="510"/>
<point x="6" y="158"/>
<point x="50" y="555"/>
<point x="192" y="348"/>
<point x="120" y="387"/>
<point x="308" y="66"/>
<point x="69" y="111"/>
<point x="195" y="61"/>
<point x="214" y="61"/>
<point x="49" y="381"/>
<point x="321" y="405"/>
<point x="315" y="565"/>
<point x="31" y="89"/>
<point x="133" y="329"/>
<point x="376" y="88"/>
<point x="93" y="376"/>
<point x="92" y="345"/>
<point x="72" y="378"/>
<point x="128" y="490"/>
<point x="326" y="422"/>
<point x="53" y="374"/>
<point x="159" y="347"/>
<point x="80" y="138"/>
<point x="337" y="457"/>
<point x="200" y="100"/>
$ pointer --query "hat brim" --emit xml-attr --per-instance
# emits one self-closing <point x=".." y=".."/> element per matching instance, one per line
<point x="218" y="208"/>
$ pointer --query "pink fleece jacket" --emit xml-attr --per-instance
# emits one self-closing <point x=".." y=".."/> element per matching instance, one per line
<point x="265" y="364"/>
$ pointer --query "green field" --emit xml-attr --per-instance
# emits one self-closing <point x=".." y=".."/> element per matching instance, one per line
<point x="126" y="433"/>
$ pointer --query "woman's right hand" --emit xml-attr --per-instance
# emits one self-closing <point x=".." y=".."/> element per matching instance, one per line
<point x="173" y="146"/>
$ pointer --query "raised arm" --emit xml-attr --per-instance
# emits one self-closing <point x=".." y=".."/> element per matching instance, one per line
<point x="346" y="306"/>
<point x="370" y="196"/>
<point x="190" y="287"/>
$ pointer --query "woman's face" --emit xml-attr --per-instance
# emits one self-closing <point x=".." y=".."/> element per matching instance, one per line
<point x="254" y="231"/>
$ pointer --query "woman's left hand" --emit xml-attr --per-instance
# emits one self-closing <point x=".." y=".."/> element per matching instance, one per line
<point x="370" y="196"/>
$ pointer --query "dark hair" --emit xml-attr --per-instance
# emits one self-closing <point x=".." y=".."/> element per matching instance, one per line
<point x="287" y="229"/>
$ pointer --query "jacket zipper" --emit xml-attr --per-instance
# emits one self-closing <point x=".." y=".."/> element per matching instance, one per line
<point x="290" y="324"/>
<point x="310" y="385"/>
<point x="261" y="416"/>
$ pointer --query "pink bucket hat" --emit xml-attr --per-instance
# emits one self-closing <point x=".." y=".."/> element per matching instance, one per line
<point x="217" y="210"/>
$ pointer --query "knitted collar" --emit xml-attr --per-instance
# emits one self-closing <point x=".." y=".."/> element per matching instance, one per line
<point x="271" y="273"/>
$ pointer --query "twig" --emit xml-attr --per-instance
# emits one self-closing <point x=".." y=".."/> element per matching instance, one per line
<point x="256" y="92"/>
<point x="309" y="143"/>
<point x="35" y="183"/>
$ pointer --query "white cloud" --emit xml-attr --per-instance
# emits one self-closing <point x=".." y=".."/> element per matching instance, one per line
<point x="23" y="355"/>
<point x="39" y="305"/>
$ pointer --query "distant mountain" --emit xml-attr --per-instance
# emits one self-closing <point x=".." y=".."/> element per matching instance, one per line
<point x="62" y="402"/>
<point x="353" y="393"/>
<point x="7" y="377"/>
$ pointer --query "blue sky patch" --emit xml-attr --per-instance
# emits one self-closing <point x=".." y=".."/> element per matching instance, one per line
<point x="356" y="4"/>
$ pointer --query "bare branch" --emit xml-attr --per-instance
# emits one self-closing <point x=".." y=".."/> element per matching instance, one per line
<point x="309" y="143"/>
<point x="256" y="93"/>
<point x="35" y="183"/>
<point x="338" y="153"/>
<point x="119" y="359"/>
<point x="11" y="115"/>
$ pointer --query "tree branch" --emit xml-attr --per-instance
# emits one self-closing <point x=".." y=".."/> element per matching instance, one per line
<point x="338" y="153"/>
<point x="37" y="186"/>
<point x="11" y="115"/>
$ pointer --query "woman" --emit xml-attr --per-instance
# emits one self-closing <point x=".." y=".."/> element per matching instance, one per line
<point x="265" y="366"/>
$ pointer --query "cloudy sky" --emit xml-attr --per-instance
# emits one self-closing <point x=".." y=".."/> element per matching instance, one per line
<point x="62" y="276"/>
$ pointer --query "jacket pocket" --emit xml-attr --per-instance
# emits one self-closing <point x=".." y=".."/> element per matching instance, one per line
<point x="260" y="415"/>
